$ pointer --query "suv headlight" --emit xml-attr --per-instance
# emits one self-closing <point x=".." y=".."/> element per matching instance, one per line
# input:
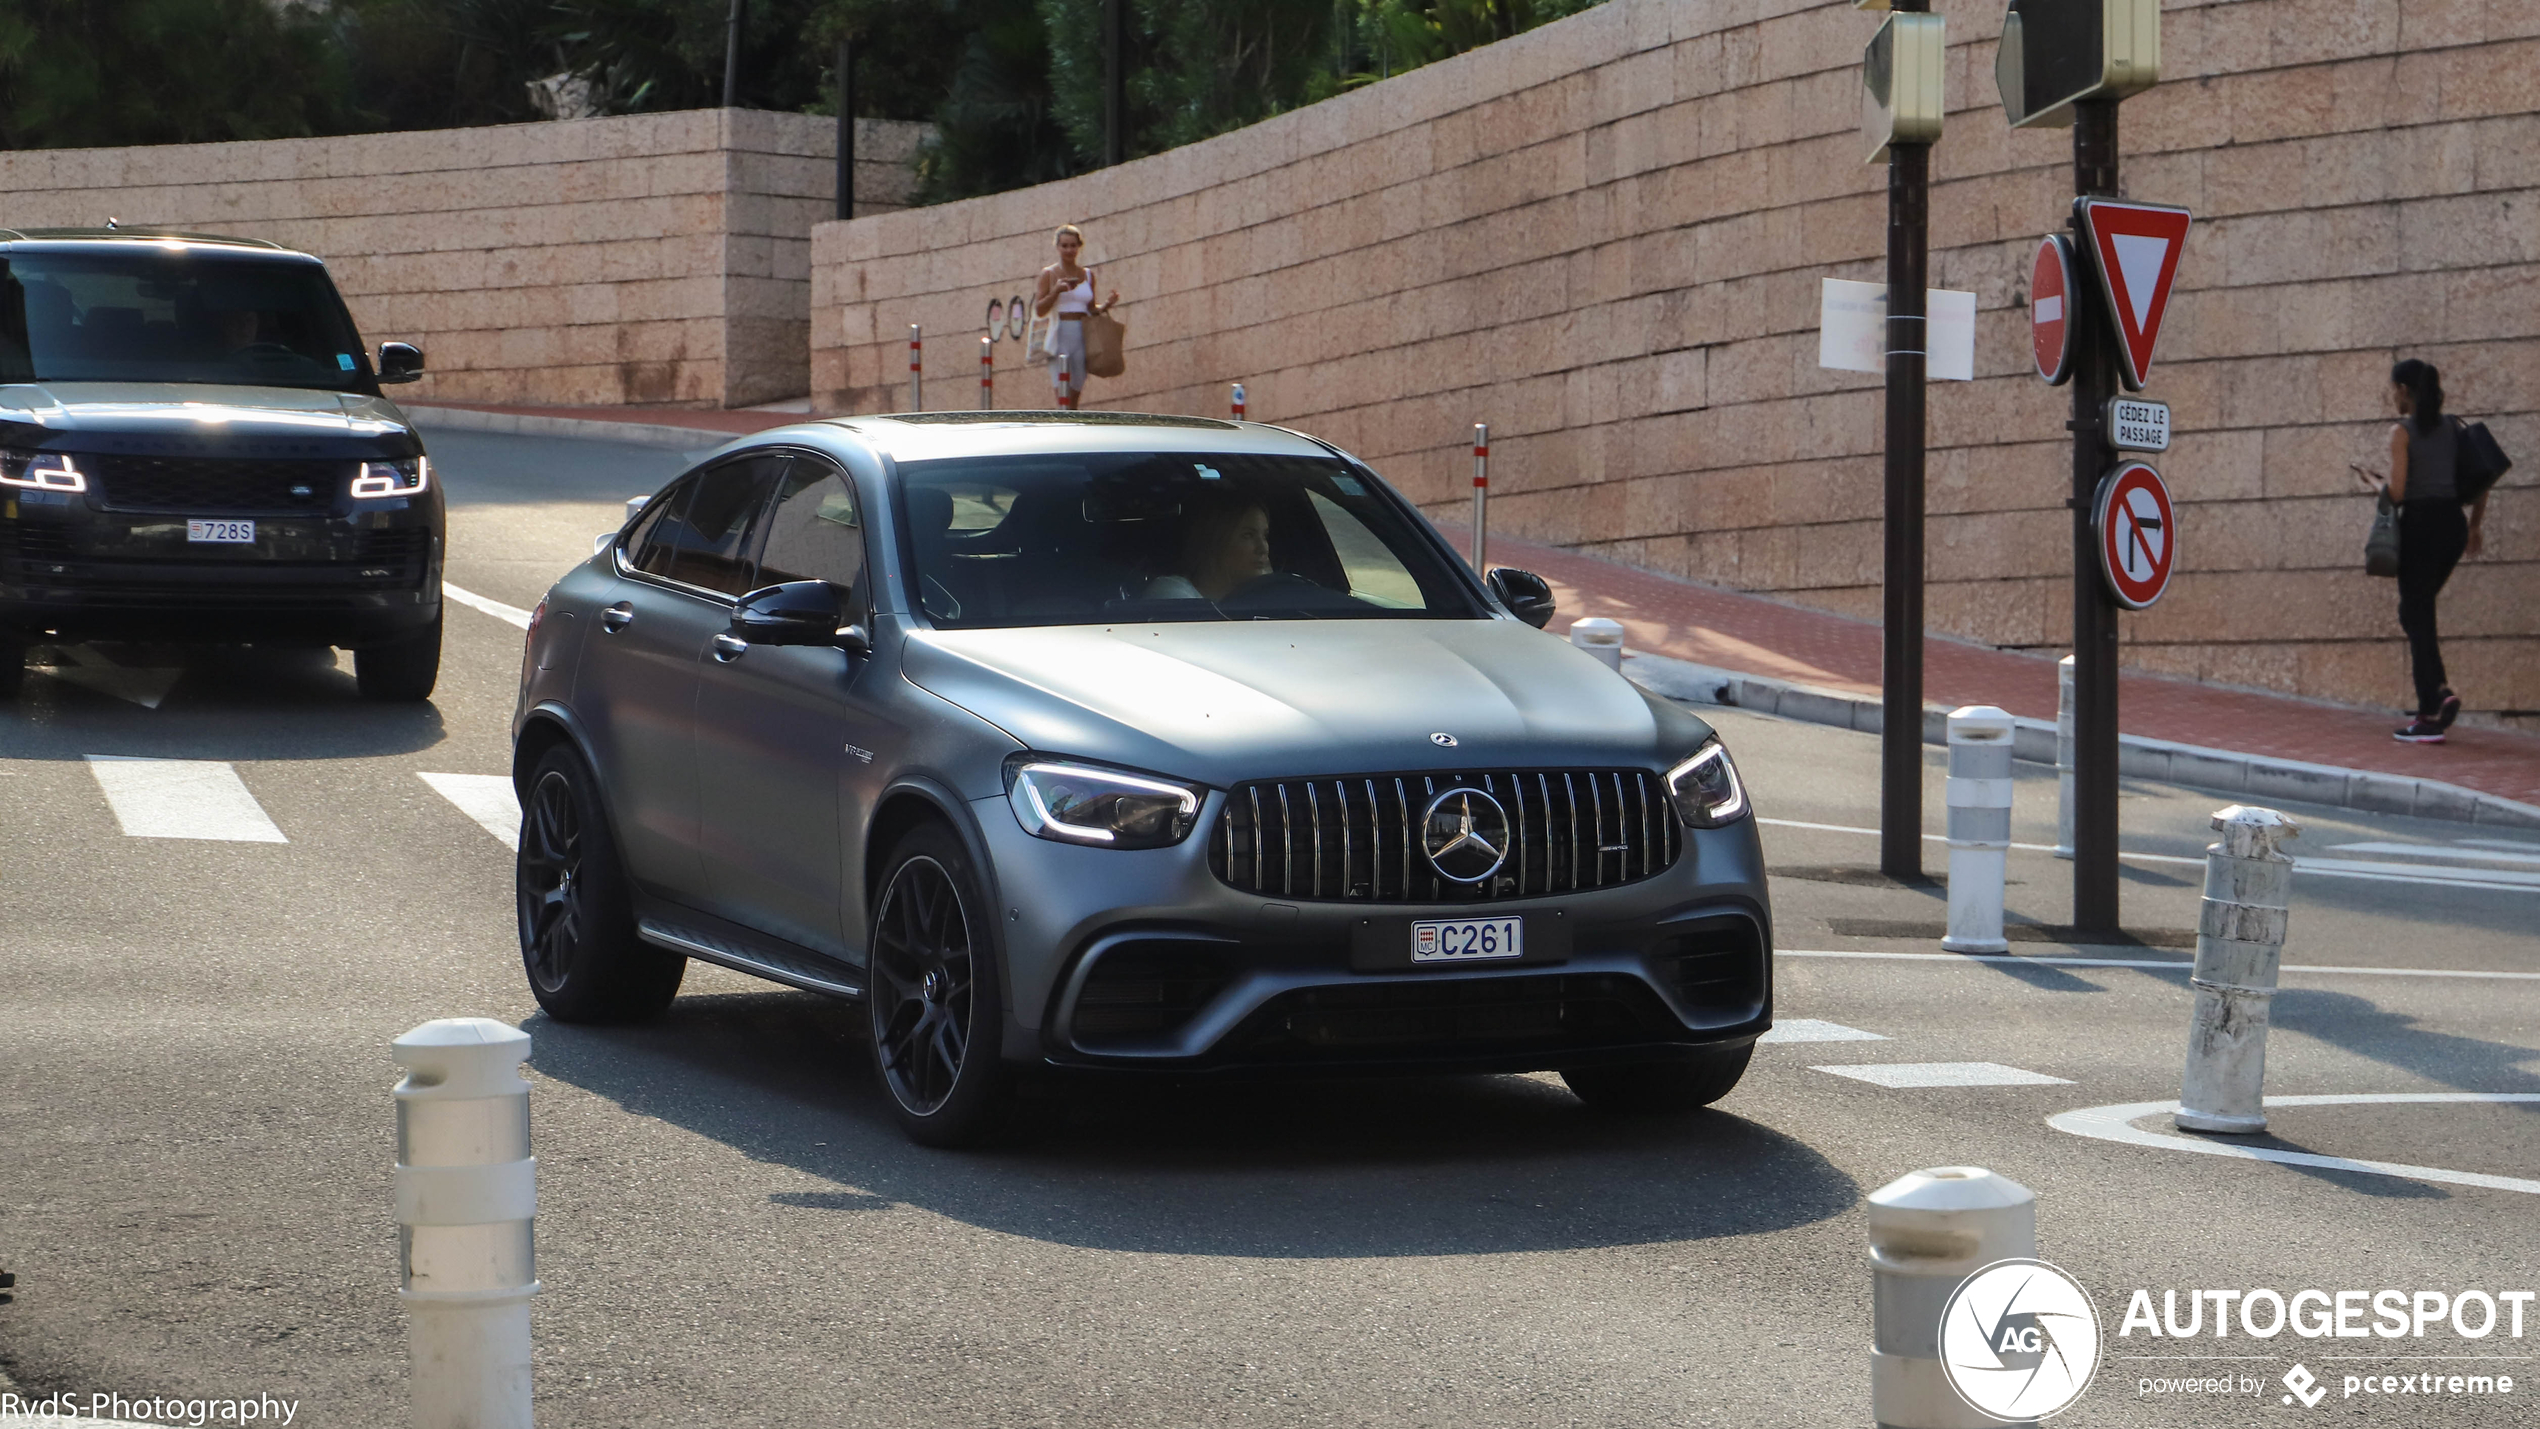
<point x="393" y="478"/>
<point x="1706" y="788"/>
<point x="41" y="471"/>
<point x="1103" y="808"/>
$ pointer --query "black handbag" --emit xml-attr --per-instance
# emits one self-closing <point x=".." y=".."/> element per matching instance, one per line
<point x="2381" y="544"/>
<point x="2480" y="462"/>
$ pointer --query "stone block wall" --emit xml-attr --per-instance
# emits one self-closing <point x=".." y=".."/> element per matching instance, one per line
<point x="653" y="258"/>
<point x="1605" y="238"/>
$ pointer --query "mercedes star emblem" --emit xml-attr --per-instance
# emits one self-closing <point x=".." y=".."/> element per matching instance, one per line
<point x="1465" y="834"/>
<point x="1443" y="739"/>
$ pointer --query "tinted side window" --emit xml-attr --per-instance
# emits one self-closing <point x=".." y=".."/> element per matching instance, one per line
<point x="708" y="536"/>
<point x="648" y="546"/>
<point x="815" y="531"/>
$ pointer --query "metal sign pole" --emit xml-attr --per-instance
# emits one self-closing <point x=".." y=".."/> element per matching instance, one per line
<point x="2094" y="838"/>
<point x="1901" y="681"/>
<point x="846" y="127"/>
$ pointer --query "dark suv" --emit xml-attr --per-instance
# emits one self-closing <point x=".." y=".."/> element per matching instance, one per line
<point x="193" y="448"/>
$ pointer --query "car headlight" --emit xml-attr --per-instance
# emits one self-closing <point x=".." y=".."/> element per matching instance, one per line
<point x="1104" y="808"/>
<point x="1706" y="788"/>
<point x="393" y="478"/>
<point x="41" y="471"/>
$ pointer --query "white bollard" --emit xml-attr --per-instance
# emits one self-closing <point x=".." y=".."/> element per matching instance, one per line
<point x="1601" y="638"/>
<point x="916" y="369"/>
<point x="2239" y="947"/>
<point x="467" y="1205"/>
<point x="1929" y="1231"/>
<point x="2064" y="757"/>
<point x="988" y="373"/>
<point x="1235" y="401"/>
<point x="1481" y="496"/>
<point x="1979" y="827"/>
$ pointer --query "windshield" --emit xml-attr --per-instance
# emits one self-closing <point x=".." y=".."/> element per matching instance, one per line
<point x="152" y="314"/>
<point x="1094" y="538"/>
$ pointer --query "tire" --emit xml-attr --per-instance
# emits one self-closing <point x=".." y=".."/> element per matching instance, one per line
<point x="934" y="997"/>
<point x="405" y="671"/>
<point x="12" y="670"/>
<point x="1648" y="1088"/>
<point x="577" y="925"/>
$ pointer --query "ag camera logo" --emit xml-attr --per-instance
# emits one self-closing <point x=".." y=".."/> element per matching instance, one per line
<point x="2019" y="1340"/>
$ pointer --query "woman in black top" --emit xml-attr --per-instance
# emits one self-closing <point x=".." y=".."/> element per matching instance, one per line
<point x="2433" y="533"/>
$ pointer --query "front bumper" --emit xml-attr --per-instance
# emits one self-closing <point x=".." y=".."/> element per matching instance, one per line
<point x="72" y="572"/>
<point x="1145" y="959"/>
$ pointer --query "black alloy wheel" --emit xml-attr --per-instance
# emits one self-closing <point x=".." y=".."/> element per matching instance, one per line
<point x="577" y="927"/>
<point x="936" y="1012"/>
<point x="1650" y="1088"/>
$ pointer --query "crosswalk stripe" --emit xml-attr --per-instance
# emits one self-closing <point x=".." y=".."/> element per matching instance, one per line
<point x="487" y="798"/>
<point x="182" y="799"/>
<point x="1809" y="1029"/>
<point x="1945" y="1074"/>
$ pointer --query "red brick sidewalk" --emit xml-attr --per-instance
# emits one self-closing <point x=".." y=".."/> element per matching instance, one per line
<point x="1755" y="636"/>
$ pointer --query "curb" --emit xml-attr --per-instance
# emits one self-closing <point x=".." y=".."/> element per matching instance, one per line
<point x="519" y="424"/>
<point x="2226" y="771"/>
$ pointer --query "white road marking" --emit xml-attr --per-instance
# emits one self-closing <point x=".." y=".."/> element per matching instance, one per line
<point x="1809" y="1029"/>
<point x="487" y="798"/>
<point x="2114" y="1123"/>
<point x="495" y="608"/>
<point x="2441" y="851"/>
<point x="1945" y="1074"/>
<point x="145" y="686"/>
<point x="2179" y="964"/>
<point x="2509" y="845"/>
<point x="182" y="799"/>
<point x="2503" y="880"/>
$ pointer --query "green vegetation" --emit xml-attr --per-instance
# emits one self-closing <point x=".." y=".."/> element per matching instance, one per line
<point x="1015" y="88"/>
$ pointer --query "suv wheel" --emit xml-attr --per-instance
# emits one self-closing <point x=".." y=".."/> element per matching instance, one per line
<point x="577" y="926"/>
<point x="937" y="1013"/>
<point x="406" y="670"/>
<point x="1651" y="1087"/>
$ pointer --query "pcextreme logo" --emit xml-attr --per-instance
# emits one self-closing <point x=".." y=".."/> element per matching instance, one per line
<point x="2019" y="1340"/>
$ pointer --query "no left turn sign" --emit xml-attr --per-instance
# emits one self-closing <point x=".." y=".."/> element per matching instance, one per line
<point x="2138" y="534"/>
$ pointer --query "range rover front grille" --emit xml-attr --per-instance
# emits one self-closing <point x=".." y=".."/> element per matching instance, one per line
<point x="1359" y="838"/>
<point x="205" y="485"/>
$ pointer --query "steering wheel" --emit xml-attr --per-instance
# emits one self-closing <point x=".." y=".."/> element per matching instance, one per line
<point x="1266" y="590"/>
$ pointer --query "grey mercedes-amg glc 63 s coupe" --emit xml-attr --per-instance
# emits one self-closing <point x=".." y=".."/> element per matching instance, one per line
<point x="1096" y="740"/>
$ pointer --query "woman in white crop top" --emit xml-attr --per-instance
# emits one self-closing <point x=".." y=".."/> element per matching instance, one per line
<point x="1066" y="291"/>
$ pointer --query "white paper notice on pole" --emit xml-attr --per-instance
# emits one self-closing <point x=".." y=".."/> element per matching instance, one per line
<point x="1852" y="330"/>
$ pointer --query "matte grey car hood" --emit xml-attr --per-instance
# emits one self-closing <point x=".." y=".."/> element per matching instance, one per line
<point x="187" y="409"/>
<point x="1224" y="702"/>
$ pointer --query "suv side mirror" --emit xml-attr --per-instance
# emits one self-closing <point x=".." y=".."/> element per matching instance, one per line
<point x="799" y="613"/>
<point x="1527" y="595"/>
<point x="400" y="362"/>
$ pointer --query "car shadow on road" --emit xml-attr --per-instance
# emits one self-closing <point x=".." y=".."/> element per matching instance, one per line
<point x="1407" y="1166"/>
<point x="204" y="702"/>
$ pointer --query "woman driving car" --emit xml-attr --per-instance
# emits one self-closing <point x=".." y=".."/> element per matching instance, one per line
<point x="1225" y="546"/>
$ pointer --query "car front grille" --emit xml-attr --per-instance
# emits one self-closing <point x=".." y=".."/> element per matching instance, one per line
<point x="27" y="541"/>
<point x="1458" y="1015"/>
<point x="1359" y="838"/>
<point x="201" y="485"/>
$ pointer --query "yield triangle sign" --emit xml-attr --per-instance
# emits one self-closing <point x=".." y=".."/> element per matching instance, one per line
<point x="2135" y="247"/>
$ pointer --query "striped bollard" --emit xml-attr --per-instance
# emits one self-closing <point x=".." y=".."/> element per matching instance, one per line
<point x="1067" y="381"/>
<point x="467" y="1206"/>
<point x="1979" y="827"/>
<point x="987" y="372"/>
<point x="1481" y="494"/>
<point x="916" y="368"/>
<point x="2239" y="949"/>
<point x="2064" y="757"/>
<point x="1235" y="400"/>
<point x="1929" y="1231"/>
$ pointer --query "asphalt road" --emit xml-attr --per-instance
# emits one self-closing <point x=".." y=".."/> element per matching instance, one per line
<point x="196" y="1133"/>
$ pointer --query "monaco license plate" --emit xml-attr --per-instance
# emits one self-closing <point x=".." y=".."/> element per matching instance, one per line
<point x="1466" y="940"/>
<point x="235" y="531"/>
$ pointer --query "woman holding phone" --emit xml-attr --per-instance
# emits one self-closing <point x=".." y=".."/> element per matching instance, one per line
<point x="1065" y="293"/>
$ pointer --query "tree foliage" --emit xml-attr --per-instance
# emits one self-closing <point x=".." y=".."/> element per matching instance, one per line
<point x="99" y="72"/>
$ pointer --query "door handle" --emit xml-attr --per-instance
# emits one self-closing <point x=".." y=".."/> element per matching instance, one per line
<point x="728" y="648"/>
<point x="617" y="617"/>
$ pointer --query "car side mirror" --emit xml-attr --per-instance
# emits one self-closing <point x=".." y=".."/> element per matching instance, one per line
<point x="1528" y="596"/>
<point x="400" y="362"/>
<point x="798" y="613"/>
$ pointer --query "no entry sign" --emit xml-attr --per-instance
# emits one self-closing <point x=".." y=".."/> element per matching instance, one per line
<point x="2138" y="534"/>
<point x="2136" y="248"/>
<point x="2050" y="290"/>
